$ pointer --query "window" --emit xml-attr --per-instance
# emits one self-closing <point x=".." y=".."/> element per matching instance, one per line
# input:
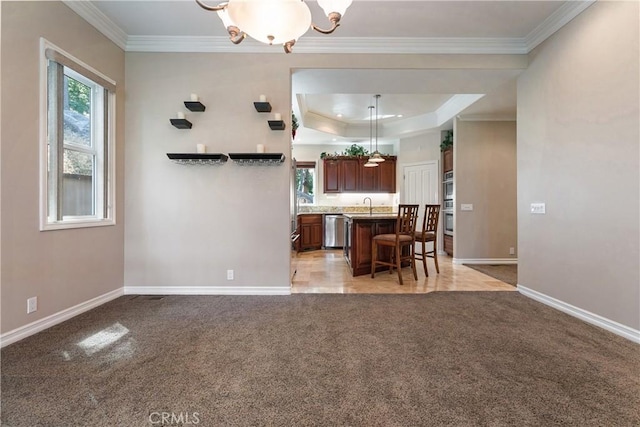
<point x="305" y="182"/>
<point x="77" y="167"/>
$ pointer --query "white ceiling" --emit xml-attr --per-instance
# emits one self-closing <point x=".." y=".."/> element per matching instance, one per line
<point x="426" y="99"/>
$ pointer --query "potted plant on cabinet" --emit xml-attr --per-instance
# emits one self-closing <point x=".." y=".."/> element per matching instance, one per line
<point x="294" y="125"/>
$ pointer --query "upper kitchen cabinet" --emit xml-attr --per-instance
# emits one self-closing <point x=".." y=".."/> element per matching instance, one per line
<point x="447" y="159"/>
<point x="348" y="175"/>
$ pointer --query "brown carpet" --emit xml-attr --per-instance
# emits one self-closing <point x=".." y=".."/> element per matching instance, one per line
<point x="507" y="273"/>
<point x="461" y="359"/>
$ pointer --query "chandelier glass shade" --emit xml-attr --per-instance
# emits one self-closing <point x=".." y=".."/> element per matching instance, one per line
<point x="274" y="21"/>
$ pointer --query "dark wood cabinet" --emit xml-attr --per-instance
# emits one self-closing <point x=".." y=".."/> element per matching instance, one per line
<point x="448" y="244"/>
<point x="447" y="160"/>
<point x="348" y="175"/>
<point x="350" y="169"/>
<point x="386" y="176"/>
<point x="310" y="231"/>
<point x="361" y="232"/>
<point x="332" y="176"/>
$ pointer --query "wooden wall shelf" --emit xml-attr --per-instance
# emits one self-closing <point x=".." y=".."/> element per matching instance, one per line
<point x="181" y="123"/>
<point x="277" y="124"/>
<point x="198" y="158"/>
<point x="195" y="106"/>
<point x="258" y="159"/>
<point x="262" y="107"/>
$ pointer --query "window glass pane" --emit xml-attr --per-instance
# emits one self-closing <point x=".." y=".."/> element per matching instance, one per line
<point x="77" y="112"/>
<point x="78" y="184"/>
<point x="305" y="178"/>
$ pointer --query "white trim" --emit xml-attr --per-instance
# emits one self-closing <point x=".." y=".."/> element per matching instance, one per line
<point x="404" y="45"/>
<point x="59" y="317"/>
<point x="207" y="290"/>
<point x="110" y="185"/>
<point x="485" y="261"/>
<point x="487" y="117"/>
<point x="101" y="22"/>
<point x="592" y="318"/>
<point x="401" y="45"/>
<point x="555" y="21"/>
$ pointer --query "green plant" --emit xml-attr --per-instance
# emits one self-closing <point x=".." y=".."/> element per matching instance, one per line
<point x="447" y="141"/>
<point x="294" y="122"/>
<point x="356" y="150"/>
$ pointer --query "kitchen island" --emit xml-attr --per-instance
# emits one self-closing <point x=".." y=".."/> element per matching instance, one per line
<point x="359" y="231"/>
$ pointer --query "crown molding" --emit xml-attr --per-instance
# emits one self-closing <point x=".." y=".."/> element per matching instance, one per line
<point x="99" y="21"/>
<point x="555" y="21"/>
<point x="487" y="117"/>
<point x="377" y="45"/>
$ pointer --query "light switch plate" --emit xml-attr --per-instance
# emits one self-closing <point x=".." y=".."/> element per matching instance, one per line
<point x="466" y="206"/>
<point x="538" y="208"/>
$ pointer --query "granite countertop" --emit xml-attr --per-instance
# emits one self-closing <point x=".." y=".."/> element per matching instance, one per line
<point x="365" y="216"/>
<point x="336" y="210"/>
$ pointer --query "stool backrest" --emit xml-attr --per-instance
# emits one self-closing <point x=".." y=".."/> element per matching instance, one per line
<point x="407" y="218"/>
<point x="431" y="215"/>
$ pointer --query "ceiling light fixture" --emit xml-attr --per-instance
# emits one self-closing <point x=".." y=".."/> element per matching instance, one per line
<point x="369" y="163"/>
<point x="274" y="21"/>
<point x="376" y="157"/>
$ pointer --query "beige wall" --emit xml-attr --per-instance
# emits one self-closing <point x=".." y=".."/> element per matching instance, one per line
<point x="578" y="133"/>
<point x="66" y="267"/>
<point x="187" y="226"/>
<point x="485" y="176"/>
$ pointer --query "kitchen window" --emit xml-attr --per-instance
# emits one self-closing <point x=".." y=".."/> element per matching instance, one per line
<point x="305" y="182"/>
<point x="77" y="147"/>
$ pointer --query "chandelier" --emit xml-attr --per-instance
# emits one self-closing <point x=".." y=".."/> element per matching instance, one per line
<point x="274" y="21"/>
<point x="370" y="163"/>
<point x="375" y="156"/>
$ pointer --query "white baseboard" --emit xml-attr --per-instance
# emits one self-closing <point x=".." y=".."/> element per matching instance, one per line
<point x="485" y="260"/>
<point x="595" y="319"/>
<point x="59" y="317"/>
<point x="207" y="290"/>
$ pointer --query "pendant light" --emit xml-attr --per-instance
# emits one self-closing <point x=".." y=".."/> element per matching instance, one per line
<point x="376" y="157"/>
<point x="369" y="163"/>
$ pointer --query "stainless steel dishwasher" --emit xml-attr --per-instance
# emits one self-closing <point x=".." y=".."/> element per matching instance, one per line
<point x="333" y="231"/>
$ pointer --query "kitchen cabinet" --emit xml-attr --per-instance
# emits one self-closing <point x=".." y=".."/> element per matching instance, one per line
<point x="361" y="229"/>
<point x="447" y="160"/>
<point x="310" y="231"/>
<point x="448" y="244"/>
<point x="348" y="175"/>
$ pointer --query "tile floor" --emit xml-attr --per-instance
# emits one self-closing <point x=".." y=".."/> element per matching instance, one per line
<point x="326" y="271"/>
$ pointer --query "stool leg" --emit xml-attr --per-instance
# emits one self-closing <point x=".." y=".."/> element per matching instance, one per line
<point x="398" y="266"/>
<point x="413" y="261"/>
<point x="435" y="256"/>
<point x="374" y="256"/>
<point x="424" y="258"/>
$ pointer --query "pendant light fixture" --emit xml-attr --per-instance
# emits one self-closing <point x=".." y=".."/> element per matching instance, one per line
<point x="376" y="157"/>
<point x="369" y="163"/>
<point x="280" y="22"/>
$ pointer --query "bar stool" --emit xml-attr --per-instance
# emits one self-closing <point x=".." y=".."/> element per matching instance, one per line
<point x="403" y="238"/>
<point x="429" y="233"/>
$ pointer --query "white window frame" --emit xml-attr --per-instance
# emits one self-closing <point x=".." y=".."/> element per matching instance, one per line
<point x="103" y="215"/>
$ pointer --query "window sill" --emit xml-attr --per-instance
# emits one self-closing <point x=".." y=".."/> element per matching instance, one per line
<point x="77" y="223"/>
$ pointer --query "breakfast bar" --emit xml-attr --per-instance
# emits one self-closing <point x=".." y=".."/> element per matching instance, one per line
<point x="359" y="231"/>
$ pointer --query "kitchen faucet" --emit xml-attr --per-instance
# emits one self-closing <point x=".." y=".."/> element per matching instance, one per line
<point x="370" y="207"/>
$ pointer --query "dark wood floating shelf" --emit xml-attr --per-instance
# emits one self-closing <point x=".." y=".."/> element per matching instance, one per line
<point x="262" y="107"/>
<point x="195" y="106"/>
<point x="257" y="158"/>
<point x="276" y="124"/>
<point x="198" y="158"/>
<point x="181" y="123"/>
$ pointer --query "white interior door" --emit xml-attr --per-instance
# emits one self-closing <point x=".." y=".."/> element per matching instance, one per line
<point x="421" y="186"/>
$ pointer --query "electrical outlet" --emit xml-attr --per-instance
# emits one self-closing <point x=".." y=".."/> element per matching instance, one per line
<point x="32" y="305"/>
<point x="229" y="274"/>
<point x="512" y="251"/>
<point x="538" y="208"/>
<point x="466" y="207"/>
